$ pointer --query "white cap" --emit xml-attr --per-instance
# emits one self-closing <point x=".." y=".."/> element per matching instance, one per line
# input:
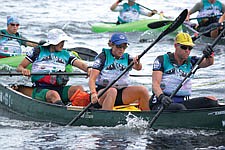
<point x="55" y="36"/>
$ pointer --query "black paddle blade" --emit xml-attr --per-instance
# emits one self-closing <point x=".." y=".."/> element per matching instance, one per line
<point x="85" y="53"/>
<point x="177" y="22"/>
<point x="159" y="24"/>
<point x="162" y="23"/>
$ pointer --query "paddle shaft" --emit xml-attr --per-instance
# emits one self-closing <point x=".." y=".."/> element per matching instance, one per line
<point x="79" y="115"/>
<point x="60" y="73"/>
<point x="204" y="17"/>
<point x="159" y="24"/>
<point x="149" y="9"/>
<point x="79" y="50"/>
<point x="179" y="20"/>
<point x="185" y="79"/>
<point x="140" y="75"/>
<point x="40" y="73"/>
<point x="204" y="32"/>
<point x="18" y="38"/>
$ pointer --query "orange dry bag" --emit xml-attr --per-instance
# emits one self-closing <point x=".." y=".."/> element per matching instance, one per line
<point x="80" y="98"/>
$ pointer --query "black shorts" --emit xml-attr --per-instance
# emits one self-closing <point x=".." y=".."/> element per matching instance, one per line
<point x="118" y="101"/>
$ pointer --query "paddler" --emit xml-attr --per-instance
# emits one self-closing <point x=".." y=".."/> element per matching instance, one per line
<point x="170" y="69"/>
<point x="11" y="45"/>
<point x="130" y="11"/>
<point x="52" y="57"/>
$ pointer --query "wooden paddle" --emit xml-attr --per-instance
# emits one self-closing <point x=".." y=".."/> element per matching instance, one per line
<point x="179" y="20"/>
<point x="42" y="73"/>
<point x="84" y="53"/>
<point x="185" y="79"/>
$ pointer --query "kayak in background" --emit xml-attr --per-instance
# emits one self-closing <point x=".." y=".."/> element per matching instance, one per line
<point x="140" y="25"/>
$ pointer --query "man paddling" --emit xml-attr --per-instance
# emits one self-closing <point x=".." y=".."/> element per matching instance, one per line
<point x="209" y="13"/>
<point x="130" y="11"/>
<point x="170" y="69"/>
<point x="10" y="45"/>
<point x="107" y="67"/>
<point x="51" y="57"/>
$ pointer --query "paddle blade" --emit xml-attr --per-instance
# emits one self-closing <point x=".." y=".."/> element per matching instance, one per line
<point x="177" y="22"/>
<point x="159" y="24"/>
<point x="85" y="53"/>
<point x="179" y="19"/>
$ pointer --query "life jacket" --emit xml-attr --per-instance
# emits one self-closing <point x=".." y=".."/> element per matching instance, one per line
<point x="129" y="13"/>
<point x="212" y="11"/>
<point x="10" y="46"/>
<point x="173" y="75"/>
<point x="48" y="62"/>
<point x="112" y="69"/>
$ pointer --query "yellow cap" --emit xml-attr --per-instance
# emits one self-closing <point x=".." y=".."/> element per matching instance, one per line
<point x="184" y="39"/>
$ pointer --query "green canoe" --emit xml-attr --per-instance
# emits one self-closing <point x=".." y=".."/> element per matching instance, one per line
<point x="30" y="109"/>
<point x="140" y="25"/>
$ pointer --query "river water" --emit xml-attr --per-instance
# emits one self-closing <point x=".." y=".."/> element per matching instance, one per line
<point x="75" y="18"/>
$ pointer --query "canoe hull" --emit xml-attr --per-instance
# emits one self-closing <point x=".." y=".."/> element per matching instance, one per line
<point x="32" y="109"/>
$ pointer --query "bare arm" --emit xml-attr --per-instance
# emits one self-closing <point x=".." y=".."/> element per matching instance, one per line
<point x="207" y="62"/>
<point x="22" y="67"/>
<point x="148" y="13"/>
<point x="156" y="80"/>
<point x="114" y="5"/>
<point x="93" y="76"/>
<point x="197" y="7"/>
<point x="81" y="65"/>
<point x="222" y="18"/>
<point x="31" y="44"/>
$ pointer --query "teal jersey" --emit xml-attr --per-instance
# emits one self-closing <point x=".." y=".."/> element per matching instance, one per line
<point x="45" y="61"/>
<point x="129" y="13"/>
<point x="173" y="75"/>
<point x="17" y="35"/>
<point x="210" y="10"/>
<point x="112" y="68"/>
<point x="10" y="45"/>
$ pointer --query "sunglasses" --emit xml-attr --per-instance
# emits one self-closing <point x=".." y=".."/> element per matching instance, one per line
<point x="14" y="25"/>
<point x="185" y="47"/>
<point x="121" y="46"/>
